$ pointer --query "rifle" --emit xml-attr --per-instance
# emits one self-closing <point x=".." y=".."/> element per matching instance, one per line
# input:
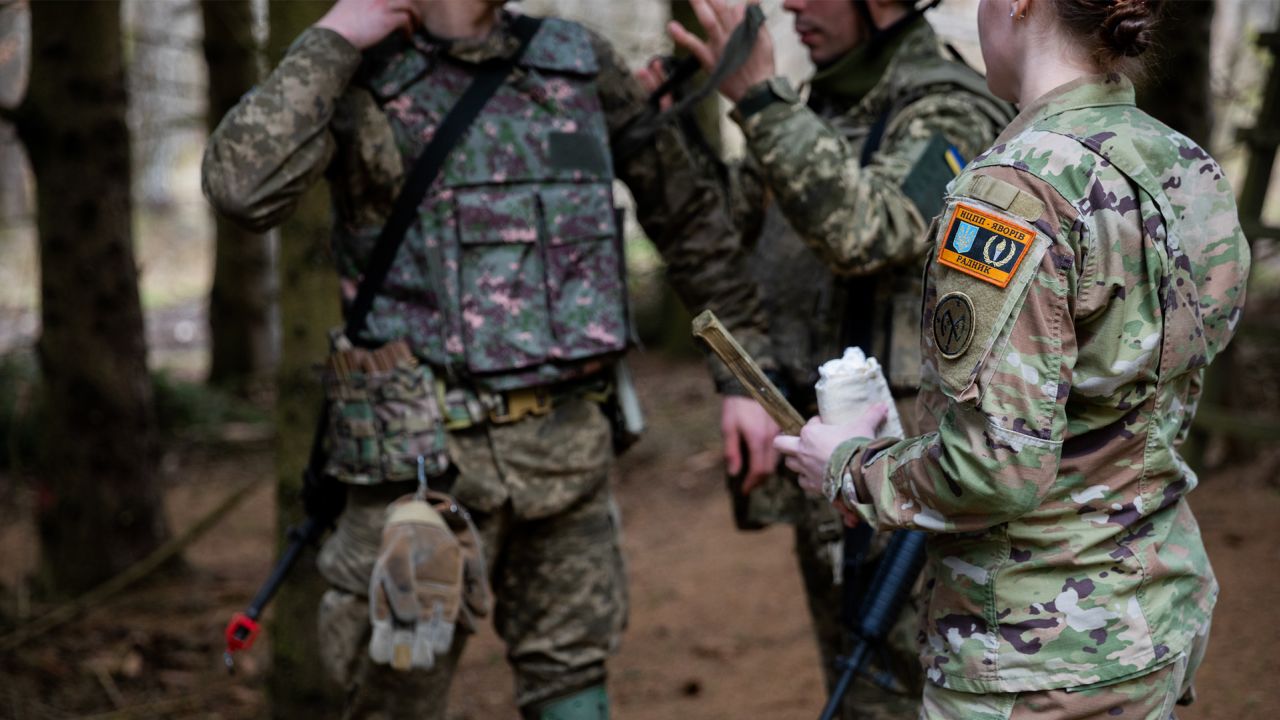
<point x="868" y="615"/>
<point x="324" y="498"/>
<point x="878" y="608"/>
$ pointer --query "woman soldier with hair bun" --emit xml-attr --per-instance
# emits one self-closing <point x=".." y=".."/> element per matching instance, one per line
<point x="1084" y="272"/>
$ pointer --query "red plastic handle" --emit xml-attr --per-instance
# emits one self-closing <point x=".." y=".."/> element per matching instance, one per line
<point x="241" y="632"/>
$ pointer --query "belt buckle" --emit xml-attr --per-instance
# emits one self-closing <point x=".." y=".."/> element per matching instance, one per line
<point x="520" y="403"/>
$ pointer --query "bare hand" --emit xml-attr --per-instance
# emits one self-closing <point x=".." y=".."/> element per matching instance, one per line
<point x="808" y="455"/>
<point x="719" y="19"/>
<point x="651" y="78"/>
<point x="364" y="23"/>
<point x="744" y="421"/>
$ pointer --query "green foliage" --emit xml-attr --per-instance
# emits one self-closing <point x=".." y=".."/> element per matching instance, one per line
<point x="184" y="409"/>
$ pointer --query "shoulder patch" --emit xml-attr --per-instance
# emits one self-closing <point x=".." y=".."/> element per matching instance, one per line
<point x="953" y="324"/>
<point x="984" y="246"/>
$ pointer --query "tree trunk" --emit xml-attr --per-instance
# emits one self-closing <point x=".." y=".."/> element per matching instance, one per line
<point x="240" y="337"/>
<point x="1177" y="89"/>
<point x="309" y="306"/>
<point x="99" y="506"/>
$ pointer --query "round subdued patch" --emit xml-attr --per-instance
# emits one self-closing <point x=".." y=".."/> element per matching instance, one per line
<point x="953" y="324"/>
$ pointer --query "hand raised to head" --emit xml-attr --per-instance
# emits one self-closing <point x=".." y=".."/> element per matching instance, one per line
<point x="718" y="20"/>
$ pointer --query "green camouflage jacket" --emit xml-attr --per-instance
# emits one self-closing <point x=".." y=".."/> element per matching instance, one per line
<point x="811" y="209"/>
<point x="532" y="165"/>
<point x="1085" y="271"/>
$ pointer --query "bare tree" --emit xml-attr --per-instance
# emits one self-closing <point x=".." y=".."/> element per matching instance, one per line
<point x="241" y="351"/>
<point x="100" y="507"/>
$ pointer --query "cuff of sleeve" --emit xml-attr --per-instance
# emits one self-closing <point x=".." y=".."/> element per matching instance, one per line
<point x="763" y="119"/>
<point x="838" y="469"/>
<point x="846" y="465"/>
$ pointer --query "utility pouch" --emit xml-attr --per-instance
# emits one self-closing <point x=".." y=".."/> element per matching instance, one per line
<point x="383" y="415"/>
<point x="429" y="577"/>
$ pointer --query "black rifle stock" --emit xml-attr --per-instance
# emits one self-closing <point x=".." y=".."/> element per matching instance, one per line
<point x="880" y="606"/>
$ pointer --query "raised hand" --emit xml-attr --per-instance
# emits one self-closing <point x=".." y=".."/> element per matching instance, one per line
<point x="364" y="23"/>
<point x="718" y="19"/>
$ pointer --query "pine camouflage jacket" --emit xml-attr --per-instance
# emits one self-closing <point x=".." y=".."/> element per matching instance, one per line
<point x="513" y="275"/>
<point x="1084" y="272"/>
<point x="811" y="211"/>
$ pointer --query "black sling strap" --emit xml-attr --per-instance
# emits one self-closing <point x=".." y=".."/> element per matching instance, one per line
<point x="405" y="208"/>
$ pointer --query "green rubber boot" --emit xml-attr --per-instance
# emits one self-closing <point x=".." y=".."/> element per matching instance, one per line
<point x="588" y="704"/>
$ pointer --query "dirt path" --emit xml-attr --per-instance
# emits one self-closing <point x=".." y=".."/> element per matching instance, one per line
<point x="717" y="629"/>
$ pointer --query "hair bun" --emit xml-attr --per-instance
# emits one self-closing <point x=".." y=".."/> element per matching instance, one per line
<point x="1127" y="29"/>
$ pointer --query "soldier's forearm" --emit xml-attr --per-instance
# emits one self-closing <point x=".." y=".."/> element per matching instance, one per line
<point x="274" y="144"/>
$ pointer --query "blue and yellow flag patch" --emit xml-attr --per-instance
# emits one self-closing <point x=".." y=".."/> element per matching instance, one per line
<point x="980" y="244"/>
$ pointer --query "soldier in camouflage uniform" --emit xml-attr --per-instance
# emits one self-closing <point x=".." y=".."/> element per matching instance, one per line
<point x="510" y="293"/>
<point x="857" y="172"/>
<point x="1084" y="272"/>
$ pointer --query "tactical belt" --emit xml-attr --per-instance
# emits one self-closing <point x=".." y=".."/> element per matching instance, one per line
<point x="465" y="407"/>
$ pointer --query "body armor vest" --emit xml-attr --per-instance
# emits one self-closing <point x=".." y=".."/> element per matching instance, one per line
<point x="514" y="274"/>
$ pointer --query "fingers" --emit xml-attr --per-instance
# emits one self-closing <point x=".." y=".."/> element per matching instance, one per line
<point x="732" y="449"/>
<point x="787" y="445"/>
<point x="693" y="44"/>
<point x="709" y="18"/>
<point x="878" y="414"/>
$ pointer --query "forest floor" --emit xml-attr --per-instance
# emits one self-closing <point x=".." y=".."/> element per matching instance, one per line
<point x="718" y="627"/>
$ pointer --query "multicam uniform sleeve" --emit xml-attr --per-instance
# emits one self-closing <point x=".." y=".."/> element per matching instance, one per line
<point x="275" y="143"/>
<point x="682" y="208"/>
<point x="1002" y="396"/>
<point x="858" y="218"/>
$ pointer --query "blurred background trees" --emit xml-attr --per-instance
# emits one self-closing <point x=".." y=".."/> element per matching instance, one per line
<point x="138" y="331"/>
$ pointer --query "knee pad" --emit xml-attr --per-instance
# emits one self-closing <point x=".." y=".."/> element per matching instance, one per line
<point x="587" y="704"/>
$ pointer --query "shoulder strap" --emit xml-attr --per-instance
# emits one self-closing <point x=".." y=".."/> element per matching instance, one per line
<point x="425" y="169"/>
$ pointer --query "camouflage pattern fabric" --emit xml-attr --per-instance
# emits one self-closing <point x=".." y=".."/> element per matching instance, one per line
<point x="512" y="279"/>
<point x="821" y="226"/>
<point x="1064" y="550"/>
<point x="381" y="422"/>
<point x="514" y="276"/>
<point x="1150" y="696"/>
<point x="558" y="580"/>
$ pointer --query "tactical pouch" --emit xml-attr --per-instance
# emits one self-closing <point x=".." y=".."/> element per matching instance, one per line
<point x="383" y="415"/>
<point x="429" y="576"/>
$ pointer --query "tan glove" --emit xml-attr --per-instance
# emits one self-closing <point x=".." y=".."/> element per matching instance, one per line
<point x="430" y="566"/>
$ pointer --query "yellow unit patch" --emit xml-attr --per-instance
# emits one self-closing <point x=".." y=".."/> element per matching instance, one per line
<point x="980" y="244"/>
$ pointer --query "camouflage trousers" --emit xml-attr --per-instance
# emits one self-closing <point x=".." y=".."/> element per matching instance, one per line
<point x="1151" y="696"/>
<point x="539" y="494"/>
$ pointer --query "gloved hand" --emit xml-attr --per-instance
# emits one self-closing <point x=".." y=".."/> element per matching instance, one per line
<point x="429" y="566"/>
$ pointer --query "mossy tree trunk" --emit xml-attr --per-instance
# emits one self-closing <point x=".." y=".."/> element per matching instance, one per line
<point x="99" y="507"/>
<point x="309" y="306"/>
<point x="241" y="348"/>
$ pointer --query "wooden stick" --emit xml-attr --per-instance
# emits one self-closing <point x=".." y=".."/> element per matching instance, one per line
<point x="110" y="588"/>
<point x="708" y="328"/>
